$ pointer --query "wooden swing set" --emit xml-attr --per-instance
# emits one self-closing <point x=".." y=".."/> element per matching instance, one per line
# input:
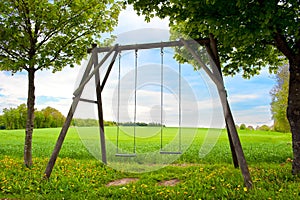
<point x="214" y="74"/>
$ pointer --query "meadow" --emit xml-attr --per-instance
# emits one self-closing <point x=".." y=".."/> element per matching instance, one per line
<point x="79" y="175"/>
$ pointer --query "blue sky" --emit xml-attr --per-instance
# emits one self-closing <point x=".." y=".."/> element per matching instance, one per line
<point x="249" y="99"/>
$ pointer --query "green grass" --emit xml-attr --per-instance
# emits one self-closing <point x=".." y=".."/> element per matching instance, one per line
<point x="78" y="175"/>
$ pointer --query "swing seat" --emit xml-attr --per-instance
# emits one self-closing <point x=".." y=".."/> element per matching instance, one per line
<point x="125" y="155"/>
<point x="170" y="152"/>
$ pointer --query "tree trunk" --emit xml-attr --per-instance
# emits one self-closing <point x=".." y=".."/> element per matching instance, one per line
<point x="293" y="113"/>
<point x="30" y="118"/>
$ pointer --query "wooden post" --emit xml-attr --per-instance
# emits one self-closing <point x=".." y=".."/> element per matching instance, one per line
<point x="99" y="106"/>
<point x="109" y="70"/>
<point x="85" y="78"/>
<point x="212" y="50"/>
<point x="233" y="153"/>
<point x="96" y="68"/>
<point x="235" y="140"/>
<point x="228" y="116"/>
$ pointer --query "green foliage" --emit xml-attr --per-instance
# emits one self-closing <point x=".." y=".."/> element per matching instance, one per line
<point x="48" y="118"/>
<point x="51" y="34"/>
<point x="42" y="35"/>
<point x="109" y="123"/>
<point x="279" y="103"/>
<point x="264" y="128"/>
<point x="153" y="124"/>
<point x="15" y="118"/>
<point x="85" y="122"/>
<point x="246" y="31"/>
<point x="90" y="122"/>
<point x="94" y="122"/>
<point x="249" y="34"/>
<point x="2" y="122"/>
<point x="243" y="127"/>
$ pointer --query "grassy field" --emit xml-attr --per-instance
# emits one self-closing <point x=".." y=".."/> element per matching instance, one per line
<point x="79" y="175"/>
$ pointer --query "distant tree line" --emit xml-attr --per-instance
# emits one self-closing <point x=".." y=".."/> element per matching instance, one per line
<point x="140" y="124"/>
<point x="261" y="128"/>
<point x="94" y="122"/>
<point x="15" y="118"/>
<point x="90" y="122"/>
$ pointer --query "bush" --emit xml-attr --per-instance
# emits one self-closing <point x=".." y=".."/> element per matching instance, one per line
<point x="243" y="127"/>
<point x="264" y="128"/>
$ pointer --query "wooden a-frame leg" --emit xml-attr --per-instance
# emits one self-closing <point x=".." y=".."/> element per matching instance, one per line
<point x="235" y="140"/>
<point x="100" y="109"/>
<point x="61" y="138"/>
<point x="228" y="116"/>
<point x="233" y="154"/>
<point x="212" y="51"/>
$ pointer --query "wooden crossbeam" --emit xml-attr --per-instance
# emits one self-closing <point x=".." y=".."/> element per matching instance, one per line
<point x="203" y="42"/>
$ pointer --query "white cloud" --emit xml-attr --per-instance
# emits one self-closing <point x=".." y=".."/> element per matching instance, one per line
<point x="13" y="90"/>
<point x="237" y="98"/>
<point x="59" y="86"/>
<point x="13" y="86"/>
<point x="255" y="116"/>
<point x="129" y="20"/>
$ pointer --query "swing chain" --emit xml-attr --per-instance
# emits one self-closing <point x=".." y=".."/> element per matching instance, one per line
<point x="118" y="128"/>
<point x="119" y="89"/>
<point x="135" y="99"/>
<point x="161" y="96"/>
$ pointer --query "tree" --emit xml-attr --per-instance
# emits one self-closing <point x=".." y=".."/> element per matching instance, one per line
<point x="264" y="128"/>
<point x="41" y="35"/>
<point x="250" y="35"/>
<point x="39" y="119"/>
<point x="2" y="122"/>
<point x="21" y="113"/>
<point x="243" y="127"/>
<point x="52" y="118"/>
<point x="15" y="118"/>
<point x="279" y="102"/>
